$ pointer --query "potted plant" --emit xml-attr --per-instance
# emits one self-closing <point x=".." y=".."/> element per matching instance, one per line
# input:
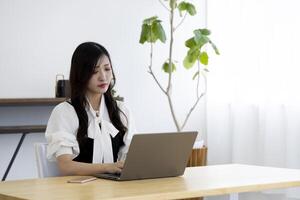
<point x="153" y="31"/>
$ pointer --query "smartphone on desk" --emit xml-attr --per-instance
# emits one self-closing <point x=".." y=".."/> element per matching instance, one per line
<point x="82" y="179"/>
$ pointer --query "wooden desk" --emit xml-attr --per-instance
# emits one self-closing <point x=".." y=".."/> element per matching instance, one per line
<point x="197" y="181"/>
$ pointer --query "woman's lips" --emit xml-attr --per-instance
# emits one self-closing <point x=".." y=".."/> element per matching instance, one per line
<point x="102" y="85"/>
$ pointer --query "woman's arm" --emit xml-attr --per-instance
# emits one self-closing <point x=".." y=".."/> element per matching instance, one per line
<point x="69" y="167"/>
<point x="128" y="120"/>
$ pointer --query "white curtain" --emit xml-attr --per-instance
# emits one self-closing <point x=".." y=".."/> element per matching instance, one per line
<point x="253" y="99"/>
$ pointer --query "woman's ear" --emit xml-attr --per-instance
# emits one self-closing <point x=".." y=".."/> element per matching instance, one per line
<point x="112" y="82"/>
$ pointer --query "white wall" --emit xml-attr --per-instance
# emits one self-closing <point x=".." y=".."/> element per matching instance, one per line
<point x="37" y="41"/>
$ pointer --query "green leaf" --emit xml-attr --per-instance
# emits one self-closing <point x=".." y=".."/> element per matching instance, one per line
<point x="194" y="54"/>
<point x="159" y="32"/>
<point x="181" y="7"/>
<point x="199" y="38"/>
<point x="214" y="47"/>
<point x="197" y="34"/>
<point x="203" y="57"/>
<point x="150" y="20"/>
<point x="152" y="37"/>
<point x="186" y="62"/>
<point x="144" y="33"/>
<point x="191" y="9"/>
<point x="205" y="31"/>
<point x="191" y="58"/>
<point x="190" y="43"/>
<point x="195" y="75"/>
<point x="184" y="6"/>
<point x="152" y="31"/>
<point x="166" y="67"/>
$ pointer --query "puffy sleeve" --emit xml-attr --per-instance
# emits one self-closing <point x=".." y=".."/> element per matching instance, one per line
<point x="61" y="132"/>
<point x="128" y="121"/>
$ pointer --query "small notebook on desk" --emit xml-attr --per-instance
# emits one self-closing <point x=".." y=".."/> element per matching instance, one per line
<point x="155" y="156"/>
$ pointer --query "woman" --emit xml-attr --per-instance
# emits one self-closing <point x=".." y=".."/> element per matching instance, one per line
<point x="90" y="133"/>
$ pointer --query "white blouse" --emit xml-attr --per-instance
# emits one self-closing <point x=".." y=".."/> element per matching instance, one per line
<point x="63" y="125"/>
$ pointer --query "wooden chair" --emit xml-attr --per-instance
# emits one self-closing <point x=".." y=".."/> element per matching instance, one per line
<point x="197" y="158"/>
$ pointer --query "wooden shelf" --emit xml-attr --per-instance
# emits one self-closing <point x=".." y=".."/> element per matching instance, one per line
<point x="23" y="129"/>
<point x="31" y="101"/>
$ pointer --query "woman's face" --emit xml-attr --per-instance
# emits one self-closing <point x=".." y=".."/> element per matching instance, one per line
<point x="101" y="78"/>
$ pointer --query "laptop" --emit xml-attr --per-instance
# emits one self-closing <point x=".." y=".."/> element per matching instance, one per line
<point x="155" y="155"/>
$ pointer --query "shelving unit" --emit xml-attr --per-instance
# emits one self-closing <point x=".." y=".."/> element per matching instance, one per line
<point x="24" y="129"/>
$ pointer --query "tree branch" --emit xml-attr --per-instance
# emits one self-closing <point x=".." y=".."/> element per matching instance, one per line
<point x="181" y="21"/>
<point x="151" y="71"/>
<point x="170" y="49"/>
<point x="173" y="113"/>
<point x="191" y="110"/>
<point x="198" y="97"/>
<point x="198" y="80"/>
<point x="169" y="87"/>
<point x="164" y="5"/>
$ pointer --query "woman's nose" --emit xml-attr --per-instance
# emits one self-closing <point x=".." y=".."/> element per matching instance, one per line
<point x="101" y="75"/>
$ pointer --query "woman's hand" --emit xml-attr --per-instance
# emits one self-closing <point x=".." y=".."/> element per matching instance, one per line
<point x="114" y="167"/>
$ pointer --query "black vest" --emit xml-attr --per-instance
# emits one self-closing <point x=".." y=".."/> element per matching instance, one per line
<point x="86" y="147"/>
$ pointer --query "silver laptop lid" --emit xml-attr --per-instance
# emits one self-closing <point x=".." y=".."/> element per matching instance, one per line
<point x="158" y="155"/>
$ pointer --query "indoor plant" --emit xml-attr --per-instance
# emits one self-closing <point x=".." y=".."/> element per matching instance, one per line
<point x="152" y="31"/>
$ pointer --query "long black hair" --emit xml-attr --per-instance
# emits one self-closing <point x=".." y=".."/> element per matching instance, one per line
<point x="83" y="63"/>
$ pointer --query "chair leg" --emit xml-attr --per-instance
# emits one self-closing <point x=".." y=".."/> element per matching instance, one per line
<point x="14" y="156"/>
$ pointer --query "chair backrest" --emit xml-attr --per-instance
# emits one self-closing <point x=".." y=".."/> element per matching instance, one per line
<point x="45" y="168"/>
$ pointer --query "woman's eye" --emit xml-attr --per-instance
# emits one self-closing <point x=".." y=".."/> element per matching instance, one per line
<point x="95" y="72"/>
<point x="107" y="69"/>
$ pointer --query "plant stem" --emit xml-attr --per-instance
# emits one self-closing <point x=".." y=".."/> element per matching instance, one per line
<point x="181" y="21"/>
<point x="170" y="50"/>
<point x="164" y="5"/>
<point x="191" y="110"/>
<point x="168" y="91"/>
<point x="173" y="113"/>
<point x="151" y="71"/>
<point x="169" y="88"/>
<point x="198" y="80"/>
<point x="198" y="97"/>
